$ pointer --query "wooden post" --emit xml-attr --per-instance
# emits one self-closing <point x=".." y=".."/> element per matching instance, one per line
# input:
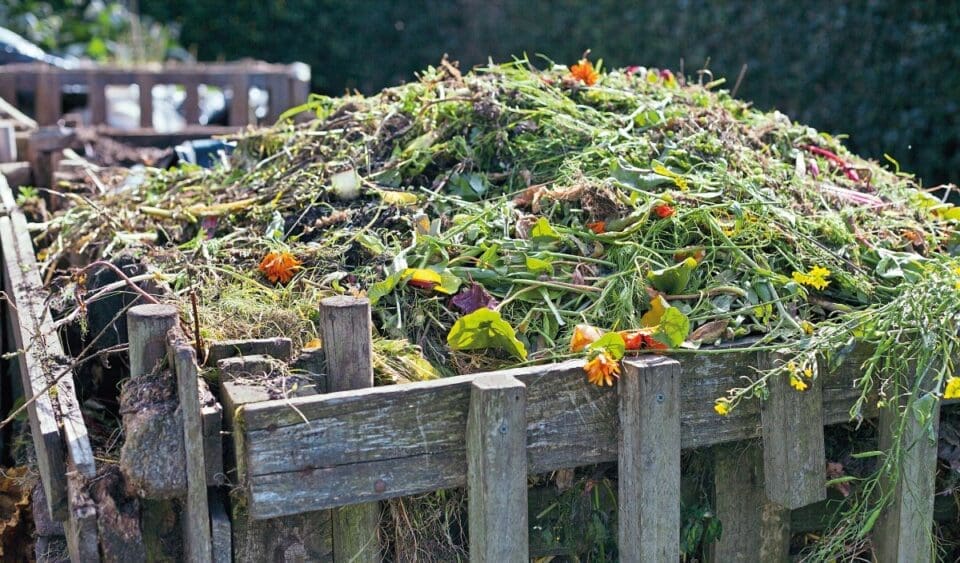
<point x="649" y="460"/>
<point x="794" y="459"/>
<point x="904" y="531"/>
<point x="348" y="347"/>
<point x="240" y="102"/>
<point x="497" y="470"/>
<point x="47" y="98"/>
<point x="221" y="546"/>
<point x="147" y="328"/>
<point x="196" y="514"/>
<point x="145" y="85"/>
<point x="96" y="98"/>
<point x="754" y="529"/>
<point x="191" y="104"/>
<point x="8" y="142"/>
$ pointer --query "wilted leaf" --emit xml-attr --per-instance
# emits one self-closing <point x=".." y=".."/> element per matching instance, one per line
<point x="397" y="198"/>
<point x="474" y="297"/>
<point x="709" y="332"/>
<point x="673" y="280"/>
<point x="657" y="307"/>
<point x="483" y="329"/>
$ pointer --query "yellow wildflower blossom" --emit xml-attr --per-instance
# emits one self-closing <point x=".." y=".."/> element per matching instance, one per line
<point x="798" y="383"/>
<point x="953" y="388"/>
<point x="722" y="406"/>
<point x="807" y="327"/>
<point x="808" y="373"/>
<point x="815" y="278"/>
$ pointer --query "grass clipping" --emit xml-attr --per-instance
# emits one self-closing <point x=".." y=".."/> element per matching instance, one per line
<point x="496" y="218"/>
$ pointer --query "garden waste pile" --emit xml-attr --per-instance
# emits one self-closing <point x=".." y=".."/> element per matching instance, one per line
<point x="512" y="216"/>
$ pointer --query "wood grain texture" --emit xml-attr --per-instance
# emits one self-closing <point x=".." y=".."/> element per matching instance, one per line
<point x="648" y="463"/>
<point x="754" y="529"/>
<point x="406" y="439"/>
<point x="280" y="348"/>
<point x="497" y="470"/>
<point x="196" y="517"/>
<point x="793" y="450"/>
<point x="904" y="531"/>
<point x="147" y="328"/>
<point x="345" y="329"/>
<point x="221" y="543"/>
<point x="81" y="527"/>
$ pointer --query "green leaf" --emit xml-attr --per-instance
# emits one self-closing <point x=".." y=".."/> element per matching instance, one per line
<point x="538" y="266"/>
<point x="673" y="328"/>
<point x="612" y="343"/>
<point x="449" y="283"/>
<point x="672" y="280"/>
<point x="482" y="329"/>
<point x="384" y="287"/>
<point x="543" y="232"/>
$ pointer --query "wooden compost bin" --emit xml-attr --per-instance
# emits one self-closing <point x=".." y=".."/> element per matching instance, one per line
<point x="314" y="467"/>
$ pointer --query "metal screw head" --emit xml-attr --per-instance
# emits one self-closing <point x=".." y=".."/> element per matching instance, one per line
<point x="660" y="398"/>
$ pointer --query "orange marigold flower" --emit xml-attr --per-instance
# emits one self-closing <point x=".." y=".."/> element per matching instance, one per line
<point x="663" y="210"/>
<point x="583" y="336"/>
<point x="598" y="227"/>
<point x="584" y="72"/>
<point x="642" y="340"/>
<point x="279" y="266"/>
<point x="602" y="370"/>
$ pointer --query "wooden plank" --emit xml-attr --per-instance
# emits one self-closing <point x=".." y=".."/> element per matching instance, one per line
<point x="240" y="101"/>
<point x="191" y="104"/>
<point x="376" y="441"/>
<point x="16" y="173"/>
<point x="47" y="99"/>
<point x="145" y="82"/>
<point x="279" y="100"/>
<point x="211" y="415"/>
<point x="196" y="513"/>
<point x="280" y="348"/>
<point x="44" y="430"/>
<point x="648" y="464"/>
<point x="754" y="529"/>
<point x="81" y="527"/>
<point x="904" y="531"/>
<point x="793" y="451"/>
<point x="220" y="543"/>
<point x="497" y="470"/>
<point x="8" y="142"/>
<point x="8" y="97"/>
<point x="97" y="97"/>
<point x="345" y="328"/>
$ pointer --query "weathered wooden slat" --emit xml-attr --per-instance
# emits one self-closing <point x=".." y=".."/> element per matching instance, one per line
<point x="17" y="173"/>
<point x="497" y="470"/>
<point x="196" y="514"/>
<point x="904" y="531"/>
<point x="211" y="415"/>
<point x="145" y="83"/>
<point x="345" y="325"/>
<point x="47" y="97"/>
<point x="754" y="529"/>
<point x="793" y="449"/>
<point x="240" y="101"/>
<point x="191" y="104"/>
<point x="280" y="348"/>
<point x="220" y="544"/>
<point x="41" y="415"/>
<point x="81" y="527"/>
<point x="97" y="97"/>
<point x="366" y="439"/>
<point x="648" y="476"/>
<point x="8" y="142"/>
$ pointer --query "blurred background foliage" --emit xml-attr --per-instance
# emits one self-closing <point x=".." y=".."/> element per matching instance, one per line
<point x="885" y="72"/>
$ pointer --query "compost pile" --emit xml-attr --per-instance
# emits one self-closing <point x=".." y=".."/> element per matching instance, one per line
<point x="513" y="215"/>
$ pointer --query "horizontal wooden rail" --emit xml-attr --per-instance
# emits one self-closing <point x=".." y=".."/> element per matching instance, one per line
<point x="400" y="440"/>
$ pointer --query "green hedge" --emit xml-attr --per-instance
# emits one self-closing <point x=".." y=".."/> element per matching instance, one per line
<point x="884" y="72"/>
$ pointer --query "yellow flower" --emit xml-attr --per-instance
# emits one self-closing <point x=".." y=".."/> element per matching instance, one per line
<point x="792" y="367"/>
<point x="602" y="370"/>
<point x="722" y="406"/>
<point x="279" y="266"/>
<point x="808" y="373"/>
<point x="798" y="383"/>
<point x="815" y="278"/>
<point x="807" y="327"/>
<point x="583" y="336"/>
<point x="953" y="388"/>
